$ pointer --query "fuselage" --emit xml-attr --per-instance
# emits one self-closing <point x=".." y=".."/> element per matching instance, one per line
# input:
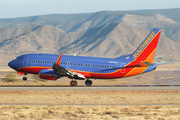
<point x="90" y="67"/>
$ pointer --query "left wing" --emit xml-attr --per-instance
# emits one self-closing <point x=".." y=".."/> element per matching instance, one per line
<point x="61" y="71"/>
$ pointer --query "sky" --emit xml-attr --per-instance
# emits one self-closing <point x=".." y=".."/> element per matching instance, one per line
<point x="24" y="8"/>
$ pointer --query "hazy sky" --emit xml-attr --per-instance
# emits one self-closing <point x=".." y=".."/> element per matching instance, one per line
<point x="22" y="8"/>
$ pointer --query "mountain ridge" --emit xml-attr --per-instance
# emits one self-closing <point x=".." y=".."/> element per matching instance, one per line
<point x="100" y="34"/>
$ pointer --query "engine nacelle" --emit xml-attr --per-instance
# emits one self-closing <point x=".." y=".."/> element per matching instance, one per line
<point x="48" y="74"/>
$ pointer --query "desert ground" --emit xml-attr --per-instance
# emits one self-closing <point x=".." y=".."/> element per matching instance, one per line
<point x="70" y="105"/>
<point x="94" y="105"/>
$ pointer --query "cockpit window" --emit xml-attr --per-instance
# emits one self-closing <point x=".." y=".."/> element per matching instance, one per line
<point x="16" y="59"/>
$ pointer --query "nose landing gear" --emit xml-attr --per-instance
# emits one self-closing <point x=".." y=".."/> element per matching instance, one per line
<point x="24" y="78"/>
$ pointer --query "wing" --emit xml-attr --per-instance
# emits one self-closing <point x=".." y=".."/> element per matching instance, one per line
<point x="61" y="71"/>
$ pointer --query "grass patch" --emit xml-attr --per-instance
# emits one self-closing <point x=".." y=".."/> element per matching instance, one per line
<point x="10" y="77"/>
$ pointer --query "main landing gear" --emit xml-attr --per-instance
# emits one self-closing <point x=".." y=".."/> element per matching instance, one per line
<point x="73" y="83"/>
<point x="87" y="82"/>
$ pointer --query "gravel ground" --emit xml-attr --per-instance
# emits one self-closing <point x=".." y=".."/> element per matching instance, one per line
<point x="109" y="105"/>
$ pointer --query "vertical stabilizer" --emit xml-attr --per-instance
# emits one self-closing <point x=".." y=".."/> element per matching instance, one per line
<point x="146" y="51"/>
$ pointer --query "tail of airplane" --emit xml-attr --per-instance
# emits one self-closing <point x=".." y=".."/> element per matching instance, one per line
<point x="146" y="50"/>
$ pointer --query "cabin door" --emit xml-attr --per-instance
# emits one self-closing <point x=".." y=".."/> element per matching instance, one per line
<point x="122" y="70"/>
<point x="25" y="60"/>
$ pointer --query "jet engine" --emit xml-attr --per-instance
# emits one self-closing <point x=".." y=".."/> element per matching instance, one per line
<point x="48" y="74"/>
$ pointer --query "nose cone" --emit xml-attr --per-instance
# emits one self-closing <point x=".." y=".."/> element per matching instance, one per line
<point x="10" y="64"/>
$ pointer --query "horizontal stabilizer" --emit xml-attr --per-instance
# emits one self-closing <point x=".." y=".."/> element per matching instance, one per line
<point x="144" y="64"/>
<point x="161" y="63"/>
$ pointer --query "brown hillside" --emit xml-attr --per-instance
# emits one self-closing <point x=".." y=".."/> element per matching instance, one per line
<point x="110" y="40"/>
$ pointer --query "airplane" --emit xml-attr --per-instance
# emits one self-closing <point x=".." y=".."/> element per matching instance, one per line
<point x="54" y="66"/>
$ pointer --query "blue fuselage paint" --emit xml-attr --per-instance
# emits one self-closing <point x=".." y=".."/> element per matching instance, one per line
<point x="37" y="62"/>
<point x="80" y="63"/>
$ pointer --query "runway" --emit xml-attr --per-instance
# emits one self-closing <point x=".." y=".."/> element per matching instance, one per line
<point x="93" y="88"/>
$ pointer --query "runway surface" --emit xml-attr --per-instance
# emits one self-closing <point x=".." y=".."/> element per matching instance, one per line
<point x="94" y="88"/>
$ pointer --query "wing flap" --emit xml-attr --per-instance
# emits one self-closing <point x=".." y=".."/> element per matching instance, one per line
<point x="59" y="70"/>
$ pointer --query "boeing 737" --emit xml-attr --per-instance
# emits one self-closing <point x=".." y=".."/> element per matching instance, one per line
<point x="54" y="66"/>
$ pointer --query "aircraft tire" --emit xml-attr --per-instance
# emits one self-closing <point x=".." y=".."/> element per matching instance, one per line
<point x="88" y="82"/>
<point x="73" y="83"/>
<point x="24" y="78"/>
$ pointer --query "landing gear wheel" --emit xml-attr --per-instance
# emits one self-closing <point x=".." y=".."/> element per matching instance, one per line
<point x="73" y="83"/>
<point x="24" y="78"/>
<point x="88" y="82"/>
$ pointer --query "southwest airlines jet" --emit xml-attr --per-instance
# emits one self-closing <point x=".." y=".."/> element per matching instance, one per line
<point x="53" y="66"/>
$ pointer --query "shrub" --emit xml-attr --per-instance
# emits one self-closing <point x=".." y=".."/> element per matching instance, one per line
<point x="10" y="77"/>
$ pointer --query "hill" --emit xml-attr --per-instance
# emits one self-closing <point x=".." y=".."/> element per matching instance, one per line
<point x="167" y="19"/>
<point x="110" y="40"/>
<point x="102" y="34"/>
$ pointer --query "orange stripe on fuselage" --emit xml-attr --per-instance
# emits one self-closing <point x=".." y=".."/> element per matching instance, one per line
<point x="135" y="71"/>
<point x="33" y="69"/>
